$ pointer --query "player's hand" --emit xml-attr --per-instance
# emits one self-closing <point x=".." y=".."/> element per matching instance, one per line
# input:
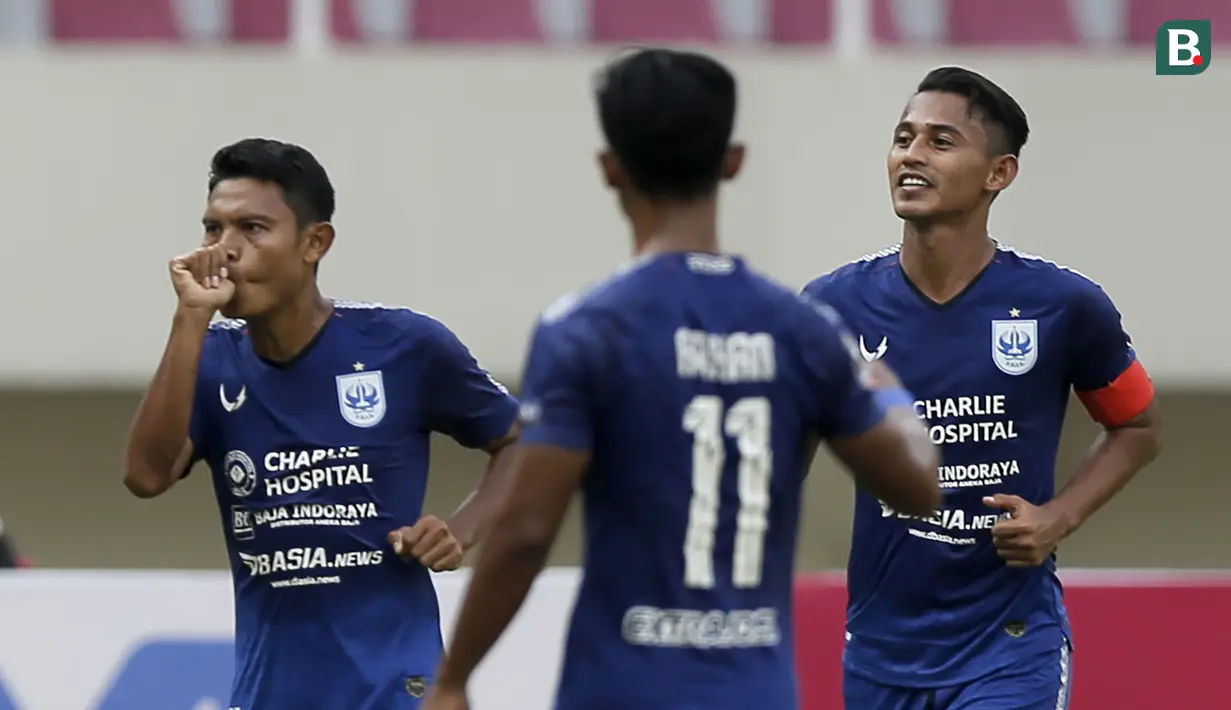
<point x="1029" y="536"/>
<point x="430" y="542"/>
<point x="445" y="699"/>
<point x="201" y="280"/>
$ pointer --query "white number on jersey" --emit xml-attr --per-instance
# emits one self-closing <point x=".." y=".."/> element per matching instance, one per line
<point x="748" y="423"/>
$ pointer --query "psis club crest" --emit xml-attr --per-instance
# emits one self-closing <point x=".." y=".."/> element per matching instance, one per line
<point x="361" y="398"/>
<point x="1015" y="345"/>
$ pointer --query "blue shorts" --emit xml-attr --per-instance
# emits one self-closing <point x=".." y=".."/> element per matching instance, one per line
<point x="1041" y="686"/>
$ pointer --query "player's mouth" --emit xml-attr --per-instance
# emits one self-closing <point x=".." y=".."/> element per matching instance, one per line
<point x="910" y="183"/>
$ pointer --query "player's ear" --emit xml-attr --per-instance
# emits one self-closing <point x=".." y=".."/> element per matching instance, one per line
<point x="317" y="240"/>
<point x="734" y="162"/>
<point x="613" y="172"/>
<point x="1004" y="172"/>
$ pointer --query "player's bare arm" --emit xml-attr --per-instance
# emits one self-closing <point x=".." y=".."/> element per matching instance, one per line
<point x="474" y="517"/>
<point x="545" y="479"/>
<point x="159" y="449"/>
<point x="895" y="460"/>
<point x="442" y="545"/>
<point x="1033" y="533"/>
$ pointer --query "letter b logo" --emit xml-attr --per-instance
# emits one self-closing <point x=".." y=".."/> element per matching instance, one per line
<point x="1182" y="47"/>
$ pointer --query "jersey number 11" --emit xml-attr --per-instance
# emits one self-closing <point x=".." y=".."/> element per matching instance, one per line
<point x="748" y="423"/>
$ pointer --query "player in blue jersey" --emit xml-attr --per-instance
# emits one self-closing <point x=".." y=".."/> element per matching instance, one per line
<point x="314" y="417"/>
<point x="684" y="397"/>
<point x="962" y="609"/>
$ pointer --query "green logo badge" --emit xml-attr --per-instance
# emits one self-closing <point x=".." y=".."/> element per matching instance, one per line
<point x="1182" y="47"/>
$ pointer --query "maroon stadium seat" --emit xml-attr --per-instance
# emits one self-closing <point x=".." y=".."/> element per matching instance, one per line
<point x="1010" y="22"/>
<point x="477" y="20"/>
<point x="261" y="20"/>
<point x="654" y="21"/>
<point x="160" y="20"/>
<point x="114" y="20"/>
<point x="801" y="21"/>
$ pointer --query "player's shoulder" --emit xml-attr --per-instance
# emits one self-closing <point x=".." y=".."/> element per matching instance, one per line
<point x="854" y="274"/>
<point x="639" y="284"/>
<point x="225" y="333"/>
<point x="618" y="290"/>
<point x="221" y="349"/>
<point x="799" y="307"/>
<point x="1043" y="275"/>
<point x="394" y="325"/>
<point x="373" y="313"/>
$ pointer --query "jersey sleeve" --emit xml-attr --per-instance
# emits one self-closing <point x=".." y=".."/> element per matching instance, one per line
<point x="845" y="405"/>
<point x="200" y="428"/>
<point x="557" y="391"/>
<point x="815" y="288"/>
<point x="460" y="398"/>
<point x="1103" y="367"/>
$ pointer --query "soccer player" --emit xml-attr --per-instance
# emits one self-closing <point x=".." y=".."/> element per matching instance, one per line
<point x="962" y="609"/>
<point x="684" y="396"/>
<point x="314" y="417"/>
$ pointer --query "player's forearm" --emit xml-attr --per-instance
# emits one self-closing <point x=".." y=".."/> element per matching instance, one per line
<point x="161" y="424"/>
<point x="1116" y="457"/>
<point x="916" y="489"/>
<point x="473" y="518"/>
<point x="501" y="582"/>
<point x="896" y="461"/>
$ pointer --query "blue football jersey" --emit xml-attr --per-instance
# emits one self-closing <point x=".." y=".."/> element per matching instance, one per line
<point x="700" y="388"/>
<point x="931" y="603"/>
<point x="314" y="462"/>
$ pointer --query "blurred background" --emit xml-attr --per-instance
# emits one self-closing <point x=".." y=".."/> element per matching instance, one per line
<point x="460" y="138"/>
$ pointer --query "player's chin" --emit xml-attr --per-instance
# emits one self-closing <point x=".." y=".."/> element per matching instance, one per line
<point x="250" y="301"/>
<point x="911" y="209"/>
<point x="238" y="307"/>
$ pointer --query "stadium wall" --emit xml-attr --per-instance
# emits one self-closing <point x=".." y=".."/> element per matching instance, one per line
<point x="62" y="501"/>
<point x="161" y="640"/>
<point x="468" y="189"/>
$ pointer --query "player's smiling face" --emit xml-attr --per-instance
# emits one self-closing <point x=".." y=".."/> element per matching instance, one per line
<point x="942" y="162"/>
<point x="264" y="247"/>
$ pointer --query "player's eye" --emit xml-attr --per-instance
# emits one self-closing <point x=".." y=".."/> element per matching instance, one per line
<point x="942" y="142"/>
<point x="253" y="227"/>
<point x="901" y="140"/>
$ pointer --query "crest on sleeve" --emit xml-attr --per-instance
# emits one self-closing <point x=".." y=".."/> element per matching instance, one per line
<point x="361" y="398"/>
<point x="1015" y="345"/>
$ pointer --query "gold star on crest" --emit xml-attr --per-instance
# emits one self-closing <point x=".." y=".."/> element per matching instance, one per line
<point x="1014" y="313"/>
<point x="358" y="366"/>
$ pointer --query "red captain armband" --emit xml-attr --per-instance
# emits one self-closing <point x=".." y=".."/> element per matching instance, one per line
<point x="1121" y="401"/>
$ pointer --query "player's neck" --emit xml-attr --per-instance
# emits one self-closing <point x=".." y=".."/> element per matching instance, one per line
<point x="689" y="227"/>
<point x="941" y="260"/>
<point x="285" y="332"/>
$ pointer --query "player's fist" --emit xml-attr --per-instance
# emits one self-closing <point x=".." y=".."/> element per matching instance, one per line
<point x="201" y="280"/>
<point x="430" y="542"/>
<point x="438" y="699"/>
<point x="1029" y="536"/>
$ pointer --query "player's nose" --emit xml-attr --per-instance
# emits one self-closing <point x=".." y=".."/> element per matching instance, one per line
<point x="915" y="154"/>
<point x="232" y="245"/>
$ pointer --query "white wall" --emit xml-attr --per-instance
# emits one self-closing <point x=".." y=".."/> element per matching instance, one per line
<point x="467" y="187"/>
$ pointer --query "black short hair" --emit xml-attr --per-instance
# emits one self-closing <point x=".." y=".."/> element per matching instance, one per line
<point x="1000" y="112"/>
<point x="668" y="116"/>
<point x="304" y="182"/>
